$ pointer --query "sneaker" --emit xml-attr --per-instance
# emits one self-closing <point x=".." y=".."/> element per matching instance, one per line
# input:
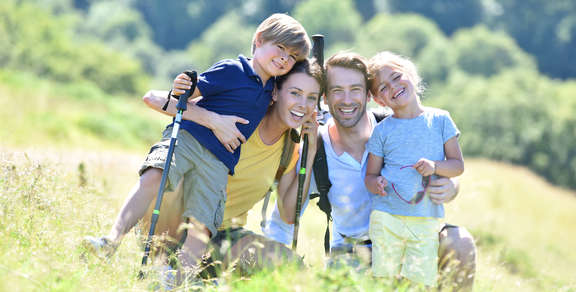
<point x="100" y="246"/>
<point x="167" y="278"/>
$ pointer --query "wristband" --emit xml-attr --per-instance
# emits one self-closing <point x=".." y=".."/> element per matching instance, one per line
<point x="165" y="106"/>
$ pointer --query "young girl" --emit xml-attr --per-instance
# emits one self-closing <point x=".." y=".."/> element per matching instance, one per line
<point x="406" y="149"/>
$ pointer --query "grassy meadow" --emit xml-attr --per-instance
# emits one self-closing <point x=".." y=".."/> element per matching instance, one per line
<point x="68" y="157"/>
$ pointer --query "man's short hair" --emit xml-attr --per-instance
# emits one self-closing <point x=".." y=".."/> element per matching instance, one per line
<point x="352" y="61"/>
<point x="282" y="29"/>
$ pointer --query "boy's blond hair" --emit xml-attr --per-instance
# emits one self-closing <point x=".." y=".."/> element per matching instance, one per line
<point x="392" y="60"/>
<point x="282" y="29"/>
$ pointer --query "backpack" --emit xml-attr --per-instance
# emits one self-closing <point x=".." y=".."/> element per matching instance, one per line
<point x="323" y="183"/>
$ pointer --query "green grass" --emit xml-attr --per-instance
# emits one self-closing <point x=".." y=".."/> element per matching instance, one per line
<point x="48" y="205"/>
<point x="64" y="174"/>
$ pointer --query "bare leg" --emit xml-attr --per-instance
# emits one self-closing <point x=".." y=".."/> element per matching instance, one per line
<point x="193" y="249"/>
<point x="136" y="205"/>
<point x="457" y="259"/>
<point x="254" y="252"/>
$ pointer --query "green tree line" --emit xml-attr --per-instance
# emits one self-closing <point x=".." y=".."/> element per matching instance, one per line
<point x="506" y="83"/>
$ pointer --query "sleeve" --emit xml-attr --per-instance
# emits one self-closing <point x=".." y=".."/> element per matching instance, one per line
<point x="217" y="78"/>
<point x="375" y="144"/>
<point x="449" y="128"/>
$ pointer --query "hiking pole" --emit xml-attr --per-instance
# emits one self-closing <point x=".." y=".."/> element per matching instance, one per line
<point x="180" y="107"/>
<point x="318" y="53"/>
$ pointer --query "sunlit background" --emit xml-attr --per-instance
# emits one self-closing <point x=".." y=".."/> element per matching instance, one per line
<point x="72" y="73"/>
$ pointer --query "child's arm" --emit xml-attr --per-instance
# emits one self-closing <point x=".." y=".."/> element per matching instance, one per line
<point x="223" y="126"/>
<point x="374" y="182"/>
<point x="452" y="166"/>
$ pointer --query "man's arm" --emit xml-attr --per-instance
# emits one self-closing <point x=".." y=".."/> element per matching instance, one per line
<point x="375" y="183"/>
<point x="223" y="126"/>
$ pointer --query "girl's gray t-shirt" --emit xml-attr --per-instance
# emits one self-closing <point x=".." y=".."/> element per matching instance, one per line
<point x="402" y="142"/>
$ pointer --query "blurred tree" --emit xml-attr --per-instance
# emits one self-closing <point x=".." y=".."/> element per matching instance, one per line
<point x="113" y="21"/>
<point x="46" y="48"/>
<point x="482" y="52"/>
<point x="450" y="15"/>
<point x="338" y="20"/>
<point x="122" y="28"/>
<point x="406" y="34"/>
<point x="175" y="23"/>
<point x="220" y="42"/>
<point x="517" y="116"/>
<point x="54" y="6"/>
<point x="435" y="62"/>
<point x="82" y="4"/>
<point x="546" y="29"/>
<point x="255" y="11"/>
<point x="366" y="8"/>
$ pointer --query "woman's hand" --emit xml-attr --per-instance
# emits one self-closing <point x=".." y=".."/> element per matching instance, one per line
<point x="425" y="167"/>
<point x="310" y="128"/>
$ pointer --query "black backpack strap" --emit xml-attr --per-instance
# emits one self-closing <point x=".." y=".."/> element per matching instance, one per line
<point x="323" y="184"/>
<point x="285" y="159"/>
<point x="379" y="116"/>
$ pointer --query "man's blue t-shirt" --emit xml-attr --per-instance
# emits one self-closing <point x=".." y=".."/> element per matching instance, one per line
<point x="231" y="87"/>
<point x="402" y="142"/>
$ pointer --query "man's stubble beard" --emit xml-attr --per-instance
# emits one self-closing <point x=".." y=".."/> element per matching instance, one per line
<point x="348" y="123"/>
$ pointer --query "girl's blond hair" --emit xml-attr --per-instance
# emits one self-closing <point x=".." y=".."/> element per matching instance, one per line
<point x="392" y="60"/>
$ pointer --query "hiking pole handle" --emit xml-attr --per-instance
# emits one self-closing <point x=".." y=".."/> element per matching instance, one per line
<point x="318" y="54"/>
<point x="301" y="179"/>
<point x="182" y="101"/>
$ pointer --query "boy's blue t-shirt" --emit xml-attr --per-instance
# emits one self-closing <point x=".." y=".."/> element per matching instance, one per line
<point x="231" y="87"/>
<point x="403" y="142"/>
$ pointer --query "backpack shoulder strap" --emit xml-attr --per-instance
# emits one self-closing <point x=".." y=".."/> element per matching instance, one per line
<point x="379" y="116"/>
<point x="323" y="184"/>
<point x="285" y="158"/>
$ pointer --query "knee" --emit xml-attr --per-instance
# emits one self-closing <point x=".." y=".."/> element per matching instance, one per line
<point x="459" y="244"/>
<point x="151" y="178"/>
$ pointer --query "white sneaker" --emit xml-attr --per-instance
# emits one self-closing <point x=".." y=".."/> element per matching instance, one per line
<point x="100" y="246"/>
<point x="168" y="278"/>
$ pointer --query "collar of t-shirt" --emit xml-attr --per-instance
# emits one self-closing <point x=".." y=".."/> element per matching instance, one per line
<point x="250" y="70"/>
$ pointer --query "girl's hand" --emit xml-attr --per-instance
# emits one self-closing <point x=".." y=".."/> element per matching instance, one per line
<point x="425" y="167"/>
